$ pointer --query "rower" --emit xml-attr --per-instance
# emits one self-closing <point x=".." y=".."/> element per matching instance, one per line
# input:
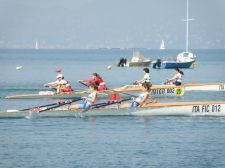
<point x="97" y="79"/>
<point x="61" y="85"/>
<point x="146" y="77"/>
<point x="177" y="78"/>
<point x="87" y="101"/>
<point x="142" y="98"/>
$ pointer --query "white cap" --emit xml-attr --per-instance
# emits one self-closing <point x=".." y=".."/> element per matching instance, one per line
<point x="59" y="76"/>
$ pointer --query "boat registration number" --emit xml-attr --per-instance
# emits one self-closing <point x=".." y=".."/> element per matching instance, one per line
<point x="167" y="91"/>
<point x="206" y="108"/>
<point x="221" y="87"/>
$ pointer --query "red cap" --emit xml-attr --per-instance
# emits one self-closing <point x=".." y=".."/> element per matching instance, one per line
<point x="58" y="70"/>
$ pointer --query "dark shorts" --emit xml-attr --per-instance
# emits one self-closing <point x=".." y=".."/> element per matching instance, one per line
<point x="177" y="83"/>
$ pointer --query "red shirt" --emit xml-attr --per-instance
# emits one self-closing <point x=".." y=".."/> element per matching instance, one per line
<point x="99" y="82"/>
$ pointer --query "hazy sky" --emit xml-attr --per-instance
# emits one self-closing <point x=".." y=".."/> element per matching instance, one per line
<point x="110" y="23"/>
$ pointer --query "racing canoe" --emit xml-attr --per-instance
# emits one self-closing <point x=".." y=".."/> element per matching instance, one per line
<point x="186" y="87"/>
<point x="157" y="91"/>
<point x="71" y="95"/>
<point x="212" y="108"/>
<point x="204" y="87"/>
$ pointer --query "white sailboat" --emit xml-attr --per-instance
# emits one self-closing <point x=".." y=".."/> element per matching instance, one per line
<point x="162" y="46"/>
<point x="186" y="55"/>
<point x="36" y="45"/>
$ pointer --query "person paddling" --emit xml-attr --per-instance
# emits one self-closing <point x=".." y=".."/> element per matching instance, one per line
<point x="97" y="79"/>
<point x="141" y="99"/>
<point x="60" y="84"/>
<point x="146" y="78"/>
<point x="87" y="101"/>
<point x="177" y="78"/>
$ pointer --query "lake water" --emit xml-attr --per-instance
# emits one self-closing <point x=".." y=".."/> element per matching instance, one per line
<point x="107" y="141"/>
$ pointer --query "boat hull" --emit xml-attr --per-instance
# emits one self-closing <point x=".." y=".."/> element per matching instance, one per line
<point x="205" y="87"/>
<point x="174" y="64"/>
<point x="138" y="64"/>
<point x="156" y="109"/>
<point x="132" y="89"/>
<point x="157" y="91"/>
<point x="185" y="87"/>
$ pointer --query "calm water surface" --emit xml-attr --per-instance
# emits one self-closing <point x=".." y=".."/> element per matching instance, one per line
<point x="107" y="141"/>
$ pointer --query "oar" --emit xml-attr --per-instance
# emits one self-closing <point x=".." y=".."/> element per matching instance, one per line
<point x="58" y="104"/>
<point x="61" y="104"/>
<point x="104" y="104"/>
<point x="40" y="106"/>
<point x="110" y="90"/>
<point x="108" y="103"/>
<point x="83" y="83"/>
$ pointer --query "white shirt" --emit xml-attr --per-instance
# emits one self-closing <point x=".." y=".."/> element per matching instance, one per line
<point x="62" y="82"/>
<point x="178" y="77"/>
<point x="147" y="78"/>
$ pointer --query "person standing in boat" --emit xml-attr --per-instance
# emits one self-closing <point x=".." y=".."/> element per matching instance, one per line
<point x="97" y="79"/>
<point x="142" y="98"/>
<point x="61" y="85"/>
<point x="177" y="78"/>
<point x="146" y="77"/>
<point x="87" y="101"/>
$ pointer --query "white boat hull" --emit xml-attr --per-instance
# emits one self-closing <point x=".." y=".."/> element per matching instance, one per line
<point x="157" y="109"/>
<point x="192" y="110"/>
<point x="205" y="87"/>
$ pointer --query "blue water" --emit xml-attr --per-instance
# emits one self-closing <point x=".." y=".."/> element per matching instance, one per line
<point x="107" y="141"/>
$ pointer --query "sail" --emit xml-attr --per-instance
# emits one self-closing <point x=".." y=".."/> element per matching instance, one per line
<point x="162" y="46"/>
<point x="36" y="45"/>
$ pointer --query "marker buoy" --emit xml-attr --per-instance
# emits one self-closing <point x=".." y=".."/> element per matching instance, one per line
<point x="109" y="67"/>
<point x="19" y="67"/>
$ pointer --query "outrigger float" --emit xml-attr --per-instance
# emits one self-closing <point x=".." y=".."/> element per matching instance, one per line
<point x="212" y="108"/>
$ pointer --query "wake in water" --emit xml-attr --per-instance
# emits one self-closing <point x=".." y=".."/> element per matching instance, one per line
<point x="32" y="115"/>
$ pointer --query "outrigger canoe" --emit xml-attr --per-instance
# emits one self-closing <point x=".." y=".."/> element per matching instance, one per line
<point x="212" y="108"/>
<point x="157" y="91"/>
